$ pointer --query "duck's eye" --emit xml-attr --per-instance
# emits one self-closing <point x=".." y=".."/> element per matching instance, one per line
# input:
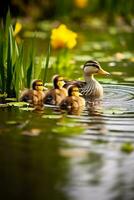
<point x="39" y="85"/>
<point x="75" y="90"/>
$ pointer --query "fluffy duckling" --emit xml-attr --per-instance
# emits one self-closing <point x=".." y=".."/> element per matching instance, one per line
<point x="91" y="88"/>
<point x="35" y="95"/>
<point x="73" y="101"/>
<point x="58" y="93"/>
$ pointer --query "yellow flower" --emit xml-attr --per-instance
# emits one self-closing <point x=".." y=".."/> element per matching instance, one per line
<point x="62" y="37"/>
<point x="81" y="3"/>
<point x="18" y="27"/>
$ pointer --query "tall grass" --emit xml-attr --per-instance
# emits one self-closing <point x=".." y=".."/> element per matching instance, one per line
<point x="17" y="62"/>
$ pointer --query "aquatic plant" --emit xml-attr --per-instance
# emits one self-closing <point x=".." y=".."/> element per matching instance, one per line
<point x="63" y="40"/>
<point x="127" y="147"/>
<point x="17" y="60"/>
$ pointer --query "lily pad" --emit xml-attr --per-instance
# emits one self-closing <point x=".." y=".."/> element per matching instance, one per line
<point x="107" y="80"/>
<point x="18" y="104"/>
<point x="11" y="122"/>
<point x="66" y="130"/>
<point x="3" y="105"/>
<point x="118" y="73"/>
<point x="26" y="108"/>
<point x="10" y="99"/>
<point x="51" y="116"/>
<point x="82" y="58"/>
<point x="129" y="79"/>
<point x="127" y="147"/>
<point x="4" y="95"/>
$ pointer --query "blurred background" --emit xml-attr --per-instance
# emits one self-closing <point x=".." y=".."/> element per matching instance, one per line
<point x="48" y="155"/>
<point x="69" y="9"/>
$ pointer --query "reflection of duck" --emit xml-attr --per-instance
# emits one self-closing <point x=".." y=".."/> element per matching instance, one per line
<point x="58" y="93"/>
<point x="35" y="95"/>
<point x="91" y="88"/>
<point x="73" y="102"/>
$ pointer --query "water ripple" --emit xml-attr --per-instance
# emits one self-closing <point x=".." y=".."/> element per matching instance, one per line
<point x="113" y="120"/>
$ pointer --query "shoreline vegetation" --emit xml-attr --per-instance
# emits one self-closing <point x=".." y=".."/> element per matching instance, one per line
<point x="75" y="9"/>
<point x="19" y="63"/>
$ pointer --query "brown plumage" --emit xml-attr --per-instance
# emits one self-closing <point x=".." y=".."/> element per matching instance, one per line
<point x="58" y="93"/>
<point x="73" y="103"/>
<point x="90" y="88"/>
<point x="34" y="96"/>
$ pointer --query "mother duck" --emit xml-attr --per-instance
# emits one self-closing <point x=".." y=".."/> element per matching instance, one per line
<point x="91" y="88"/>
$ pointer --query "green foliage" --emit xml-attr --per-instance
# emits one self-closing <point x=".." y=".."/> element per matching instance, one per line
<point x="17" y="62"/>
<point x="127" y="147"/>
<point x="46" y="64"/>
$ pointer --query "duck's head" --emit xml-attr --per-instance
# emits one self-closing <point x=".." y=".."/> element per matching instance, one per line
<point x="73" y="91"/>
<point x="58" y="82"/>
<point x="93" y="67"/>
<point x="37" y="85"/>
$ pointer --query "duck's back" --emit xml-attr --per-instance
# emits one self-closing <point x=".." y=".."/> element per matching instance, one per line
<point x="92" y="89"/>
<point x="55" y="96"/>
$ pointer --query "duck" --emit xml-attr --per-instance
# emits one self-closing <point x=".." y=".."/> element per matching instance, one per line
<point x="74" y="102"/>
<point x="55" y="95"/>
<point x="90" y="88"/>
<point x="35" y="95"/>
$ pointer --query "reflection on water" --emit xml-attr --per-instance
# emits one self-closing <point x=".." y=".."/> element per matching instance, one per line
<point x="46" y="154"/>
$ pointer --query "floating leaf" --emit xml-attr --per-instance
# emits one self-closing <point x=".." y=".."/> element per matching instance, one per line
<point x="83" y="58"/>
<point x="11" y="122"/>
<point x="66" y="130"/>
<point x="18" y="104"/>
<point x="3" y="95"/>
<point x="127" y="147"/>
<point x="108" y="80"/>
<point x="27" y="108"/>
<point x="52" y="116"/>
<point x="3" y="105"/>
<point x="10" y="99"/>
<point x="129" y="79"/>
<point x="117" y="73"/>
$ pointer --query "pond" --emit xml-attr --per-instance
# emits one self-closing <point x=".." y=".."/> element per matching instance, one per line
<point x="49" y="155"/>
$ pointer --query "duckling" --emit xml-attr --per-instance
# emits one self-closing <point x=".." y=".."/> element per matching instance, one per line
<point x="73" y="102"/>
<point x="58" y="93"/>
<point x="91" y="88"/>
<point x="35" y="95"/>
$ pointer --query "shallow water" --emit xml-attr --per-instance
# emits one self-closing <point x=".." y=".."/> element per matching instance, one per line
<point x="49" y="155"/>
<point x="52" y="155"/>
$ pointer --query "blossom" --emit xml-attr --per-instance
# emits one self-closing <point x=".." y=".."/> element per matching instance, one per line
<point x="81" y="3"/>
<point x="62" y="37"/>
<point x="18" y="27"/>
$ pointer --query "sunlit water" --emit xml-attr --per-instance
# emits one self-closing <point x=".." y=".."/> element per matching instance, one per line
<point x="50" y="155"/>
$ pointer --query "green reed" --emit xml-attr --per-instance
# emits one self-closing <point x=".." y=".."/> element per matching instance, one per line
<point x="17" y="62"/>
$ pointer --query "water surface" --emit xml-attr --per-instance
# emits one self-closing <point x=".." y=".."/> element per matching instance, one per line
<point x="52" y="155"/>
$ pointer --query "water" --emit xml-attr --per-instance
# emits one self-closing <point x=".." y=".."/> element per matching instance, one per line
<point x="52" y="155"/>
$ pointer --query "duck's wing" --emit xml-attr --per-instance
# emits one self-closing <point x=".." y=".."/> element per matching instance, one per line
<point x="65" y="103"/>
<point x="79" y="84"/>
<point x="49" y="97"/>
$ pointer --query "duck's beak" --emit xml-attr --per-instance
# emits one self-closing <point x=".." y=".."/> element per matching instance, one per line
<point x="44" y="88"/>
<point x="80" y="94"/>
<point x="102" y="71"/>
